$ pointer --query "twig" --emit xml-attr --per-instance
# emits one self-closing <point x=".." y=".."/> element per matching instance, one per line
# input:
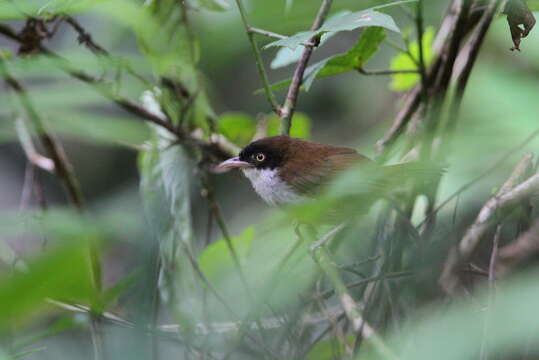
<point x="29" y="149"/>
<point x="505" y="198"/>
<point x="85" y="37"/>
<point x="258" y="58"/>
<point x="287" y="111"/>
<point x="322" y="257"/>
<point x="266" y="33"/>
<point x="124" y="103"/>
<point x="494" y="257"/>
<point x="455" y="16"/>
<point x="481" y="176"/>
<point x="422" y="66"/>
<point x="520" y="250"/>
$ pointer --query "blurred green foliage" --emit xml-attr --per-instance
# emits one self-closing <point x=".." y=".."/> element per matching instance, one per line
<point x="202" y="77"/>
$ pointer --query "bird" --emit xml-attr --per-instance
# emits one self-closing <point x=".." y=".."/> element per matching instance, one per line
<point x="284" y="170"/>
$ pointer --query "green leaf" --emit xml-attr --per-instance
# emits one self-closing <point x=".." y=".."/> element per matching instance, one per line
<point x="506" y="321"/>
<point x="366" y="46"/>
<point x="342" y="22"/>
<point x="216" y="262"/>
<point x="237" y="127"/>
<point x="330" y="349"/>
<point x="286" y="56"/>
<point x="23" y="295"/>
<point x="533" y="5"/>
<point x="165" y="189"/>
<point x="403" y="82"/>
<point x="214" y="5"/>
<point x="301" y="126"/>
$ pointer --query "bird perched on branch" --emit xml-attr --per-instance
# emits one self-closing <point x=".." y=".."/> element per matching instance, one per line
<point x="285" y="170"/>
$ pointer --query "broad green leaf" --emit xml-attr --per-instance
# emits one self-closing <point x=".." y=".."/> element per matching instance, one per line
<point x="504" y="324"/>
<point x="533" y="5"/>
<point x="237" y="127"/>
<point x="215" y="5"/>
<point x="294" y="41"/>
<point x="402" y="82"/>
<point x="301" y="126"/>
<point x="330" y="349"/>
<point x="366" y="46"/>
<point x="286" y="56"/>
<point x="343" y="22"/>
<point x="63" y="273"/>
<point x="216" y="261"/>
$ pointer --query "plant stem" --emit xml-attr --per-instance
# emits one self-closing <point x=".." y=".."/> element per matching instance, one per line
<point x="258" y="58"/>
<point x="322" y="257"/>
<point x="266" y="33"/>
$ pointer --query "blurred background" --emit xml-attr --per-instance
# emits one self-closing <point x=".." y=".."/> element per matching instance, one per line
<point x="102" y="141"/>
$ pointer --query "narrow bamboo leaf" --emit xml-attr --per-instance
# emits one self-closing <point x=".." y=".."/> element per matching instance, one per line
<point x="165" y="171"/>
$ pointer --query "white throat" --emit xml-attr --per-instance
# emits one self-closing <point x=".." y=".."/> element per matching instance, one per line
<point x="270" y="187"/>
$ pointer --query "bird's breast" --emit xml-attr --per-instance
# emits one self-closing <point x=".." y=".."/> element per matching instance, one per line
<point x="268" y="184"/>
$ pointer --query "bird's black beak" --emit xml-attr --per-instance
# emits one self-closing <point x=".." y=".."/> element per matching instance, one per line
<point x="232" y="163"/>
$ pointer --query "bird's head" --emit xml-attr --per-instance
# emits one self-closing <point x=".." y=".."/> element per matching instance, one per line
<point x="269" y="153"/>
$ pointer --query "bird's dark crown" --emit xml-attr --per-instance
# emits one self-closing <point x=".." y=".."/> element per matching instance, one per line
<point x="266" y="153"/>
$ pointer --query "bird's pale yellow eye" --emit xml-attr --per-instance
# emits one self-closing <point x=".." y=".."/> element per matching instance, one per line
<point x="260" y="157"/>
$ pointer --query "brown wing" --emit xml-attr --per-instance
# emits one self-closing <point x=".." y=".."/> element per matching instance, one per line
<point x="314" y="165"/>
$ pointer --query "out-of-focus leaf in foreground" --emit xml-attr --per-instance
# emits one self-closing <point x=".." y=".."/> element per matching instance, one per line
<point x="62" y="274"/>
<point x="165" y="171"/>
<point x="507" y="324"/>
<point x="216" y="261"/>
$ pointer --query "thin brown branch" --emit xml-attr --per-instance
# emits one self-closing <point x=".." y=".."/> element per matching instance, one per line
<point x="505" y="198"/>
<point x="454" y="16"/>
<point x="523" y="248"/>
<point x="126" y="104"/>
<point x="287" y="111"/>
<point x="85" y="37"/>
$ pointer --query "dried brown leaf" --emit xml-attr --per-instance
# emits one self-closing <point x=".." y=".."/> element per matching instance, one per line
<point x="521" y="20"/>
